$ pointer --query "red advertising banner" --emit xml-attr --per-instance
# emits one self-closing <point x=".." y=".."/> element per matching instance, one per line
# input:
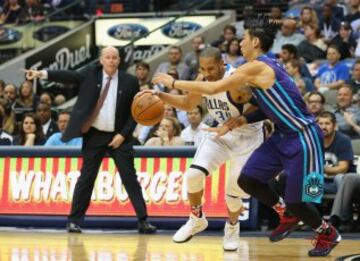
<point x="45" y="186"/>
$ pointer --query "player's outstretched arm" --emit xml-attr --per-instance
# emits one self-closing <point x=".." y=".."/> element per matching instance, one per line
<point x="252" y="74"/>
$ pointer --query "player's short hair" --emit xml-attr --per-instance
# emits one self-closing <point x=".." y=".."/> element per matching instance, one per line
<point x="261" y="27"/>
<point x="328" y="115"/>
<point x="211" y="52"/>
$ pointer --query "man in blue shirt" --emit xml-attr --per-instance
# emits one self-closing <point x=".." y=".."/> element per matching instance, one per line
<point x="55" y="139"/>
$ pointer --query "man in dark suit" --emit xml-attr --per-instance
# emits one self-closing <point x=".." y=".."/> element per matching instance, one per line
<point x="43" y="111"/>
<point x="102" y="117"/>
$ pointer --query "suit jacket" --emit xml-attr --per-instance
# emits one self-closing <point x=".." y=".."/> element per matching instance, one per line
<point x="53" y="127"/>
<point x="89" y="81"/>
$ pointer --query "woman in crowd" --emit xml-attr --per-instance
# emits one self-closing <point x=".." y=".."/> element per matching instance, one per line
<point x="30" y="132"/>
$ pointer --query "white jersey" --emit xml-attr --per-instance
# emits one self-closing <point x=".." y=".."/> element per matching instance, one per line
<point x="221" y="107"/>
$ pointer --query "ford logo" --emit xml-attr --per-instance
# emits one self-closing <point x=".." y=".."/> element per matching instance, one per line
<point x="8" y="36"/>
<point x="127" y="31"/>
<point x="47" y="33"/>
<point x="180" y="30"/>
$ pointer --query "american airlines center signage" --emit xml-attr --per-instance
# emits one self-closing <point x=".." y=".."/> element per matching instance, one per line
<point x="71" y="52"/>
<point x="121" y="31"/>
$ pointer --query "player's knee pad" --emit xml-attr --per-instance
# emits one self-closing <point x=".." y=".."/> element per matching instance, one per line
<point x="195" y="180"/>
<point x="233" y="203"/>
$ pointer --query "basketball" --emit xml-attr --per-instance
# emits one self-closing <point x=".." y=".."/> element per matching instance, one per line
<point x="147" y="109"/>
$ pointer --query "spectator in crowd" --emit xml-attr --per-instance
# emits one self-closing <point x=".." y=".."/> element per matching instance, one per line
<point x="193" y="134"/>
<point x="167" y="134"/>
<point x="174" y="57"/>
<point x="192" y="58"/>
<point x="304" y="84"/>
<point x="315" y="102"/>
<point x="27" y="100"/>
<point x="248" y="11"/>
<point x="49" y="126"/>
<point x="2" y="88"/>
<point x="338" y="152"/>
<point x="142" y="71"/>
<point x="229" y="33"/>
<point x="348" y="193"/>
<point x="347" y="114"/>
<point x="313" y="47"/>
<point x="32" y="11"/>
<point x="46" y="97"/>
<point x="181" y="115"/>
<point x="9" y="123"/>
<point x="10" y="94"/>
<point x="276" y="14"/>
<point x="30" y="131"/>
<point x="354" y="82"/>
<point x="345" y="41"/>
<point x="232" y="55"/>
<point x="329" y="24"/>
<point x="55" y="139"/>
<point x="333" y="73"/>
<point x="289" y="52"/>
<point x="59" y="99"/>
<point x="10" y="12"/>
<point x="5" y="138"/>
<point x="337" y="10"/>
<point x="308" y="17"/>
<point x="287" y="35"/>
<point x="354" y="12"/>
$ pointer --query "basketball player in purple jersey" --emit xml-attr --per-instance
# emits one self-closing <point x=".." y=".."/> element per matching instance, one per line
<point x="296" y="146"/>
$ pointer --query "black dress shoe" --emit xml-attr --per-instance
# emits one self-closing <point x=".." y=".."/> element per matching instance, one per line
<point x="145" y="227"/>
<point x="73" y="228"/>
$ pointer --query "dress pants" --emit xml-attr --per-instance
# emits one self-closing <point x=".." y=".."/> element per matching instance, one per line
<point x="95" y="146"/>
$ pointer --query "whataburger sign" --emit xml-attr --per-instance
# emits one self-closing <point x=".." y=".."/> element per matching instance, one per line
<point x="42" y="185"/>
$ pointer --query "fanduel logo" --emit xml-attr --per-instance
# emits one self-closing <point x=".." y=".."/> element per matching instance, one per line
<point x="127" y="31"/>
<point x="180" y="29"/>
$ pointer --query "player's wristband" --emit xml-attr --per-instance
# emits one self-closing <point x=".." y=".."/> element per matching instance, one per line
<point x="255" y="116"/>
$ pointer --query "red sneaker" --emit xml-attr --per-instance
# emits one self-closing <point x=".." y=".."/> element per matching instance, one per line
<point x="325" y="243"/>
<point x="287" y="225"/>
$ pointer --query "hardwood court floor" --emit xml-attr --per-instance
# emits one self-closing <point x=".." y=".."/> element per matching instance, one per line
<point x="43" y="246"/>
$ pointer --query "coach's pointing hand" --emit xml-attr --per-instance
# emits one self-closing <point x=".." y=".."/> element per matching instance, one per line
<point x="32" y="74"/>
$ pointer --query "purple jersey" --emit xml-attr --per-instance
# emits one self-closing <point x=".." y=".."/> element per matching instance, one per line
<point x="282" y="103"/>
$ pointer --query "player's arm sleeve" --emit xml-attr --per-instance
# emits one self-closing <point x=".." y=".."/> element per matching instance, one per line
<point x="255" y="116"/>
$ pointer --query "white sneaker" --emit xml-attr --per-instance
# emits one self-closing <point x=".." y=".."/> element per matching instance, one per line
<point x="193" y="226"/>
<point x="231" y="237"/>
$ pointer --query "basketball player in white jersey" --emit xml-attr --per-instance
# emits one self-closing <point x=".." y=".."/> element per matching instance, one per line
<point x="236" y="146"/>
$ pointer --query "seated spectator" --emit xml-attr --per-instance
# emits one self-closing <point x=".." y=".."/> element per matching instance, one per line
<point x="9" y="123"/>
<point x="354" y="82"/>
<point x="287" y="35"/>
<point x="338" y="152"/>
<point x="248" y="11"/>
<point x="142" y="71"/>
<point x="181" y="115"/>
<point x="46" y="97"/>
<point x="192" y="58"/>
<point x="333" y="73"/>
<point x="10" y="12"/>
<point x="59" y="99"/>
<point x="354" y="11"/>
<point x="10" y="94"/>
<point x="5" y="138"/>
<point x="49" y="126"/>
<point x="345" y="41"/>
<point x="313" y="47"/>
<point x="329" y="24"/>
<point x="167" y="134"/>
<point x="27" y="100"/>
<point x="174" y="57"/>
<point x="232" y="55"/>
<point x="347" y="114"/>
<point x="32" y="11"/>
<point x="276" y="14"/>
<point x="338" y="10"/>
<point x="30" y="131"/>
<point x="229" y="33"/>
<point x="55" y="139"/>
<point x="348" y="193"/>
<point x="193" y="134"/>
<point x="308" y="17"/>
<point x="315" y="102"/>
<point x="304" y="84"/>
<point x="289" y="52"/>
